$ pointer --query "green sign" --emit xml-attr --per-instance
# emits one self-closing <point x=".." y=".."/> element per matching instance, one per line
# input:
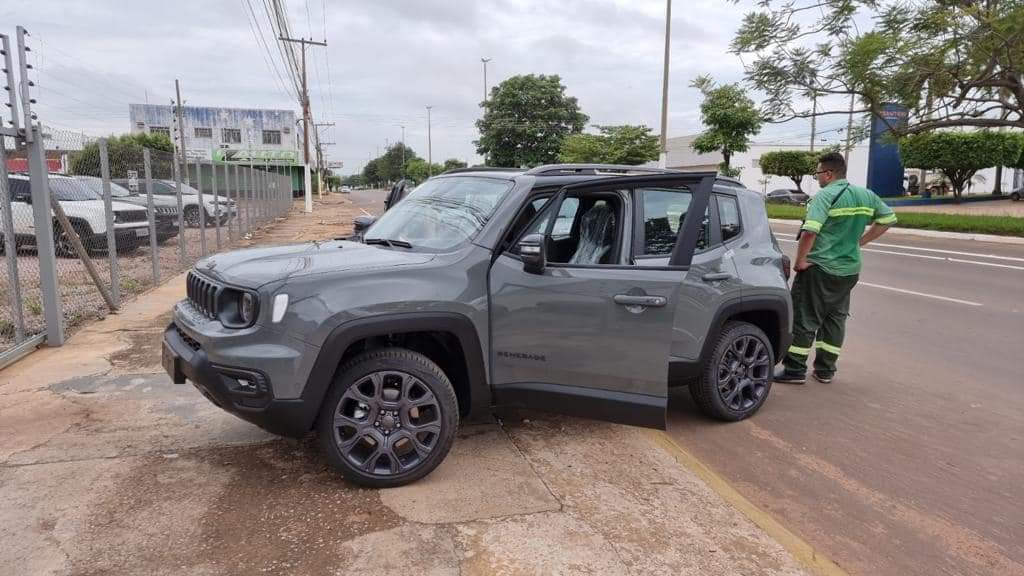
<point x="290" y="157"/>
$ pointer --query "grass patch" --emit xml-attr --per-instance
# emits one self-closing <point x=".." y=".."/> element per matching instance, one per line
<point x="966" y="223"/>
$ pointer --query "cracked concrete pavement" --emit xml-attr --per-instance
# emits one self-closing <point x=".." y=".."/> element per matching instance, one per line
<point x="108" y="468"/>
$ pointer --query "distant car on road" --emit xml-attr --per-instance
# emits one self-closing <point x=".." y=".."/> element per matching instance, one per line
<point x="346" y="189"/>
<point x="783" y="196"/>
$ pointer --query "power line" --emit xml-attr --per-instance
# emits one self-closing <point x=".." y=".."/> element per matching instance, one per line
<point x="254" y="25"/>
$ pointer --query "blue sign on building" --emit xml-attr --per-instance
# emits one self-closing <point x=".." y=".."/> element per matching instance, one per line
<point x="885" y="167"/>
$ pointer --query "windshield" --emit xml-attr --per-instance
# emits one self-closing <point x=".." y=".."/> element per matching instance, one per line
<point x="441" y="213"/>
<point x="96" y="185"/>
<point x="171" y="187"/>
<point x="68" y="190"/>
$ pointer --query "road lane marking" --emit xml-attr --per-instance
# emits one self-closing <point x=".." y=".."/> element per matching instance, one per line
<point x="930" y="257"/>
<point x="365" y="213"/>
<point x="922" y="294"/>
<point x="800" y="549"/>
<point x="957" y="252"/>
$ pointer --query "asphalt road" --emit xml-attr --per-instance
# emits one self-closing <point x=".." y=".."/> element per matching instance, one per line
<point x="912" y="460"/>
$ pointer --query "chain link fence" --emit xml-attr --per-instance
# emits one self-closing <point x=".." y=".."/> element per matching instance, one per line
<point x="124" y="218"/>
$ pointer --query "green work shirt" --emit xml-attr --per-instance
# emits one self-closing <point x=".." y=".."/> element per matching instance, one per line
<point x="839" y="225"/>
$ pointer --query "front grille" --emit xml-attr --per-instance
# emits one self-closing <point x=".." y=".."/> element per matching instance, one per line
<point x="202" y="293"/>
<point x="188" y="340"/>
<point x="167" y="210"/>
<point x="130" y="216"/>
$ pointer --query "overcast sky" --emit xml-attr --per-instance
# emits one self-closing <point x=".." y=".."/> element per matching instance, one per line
<point x="387" y="60"/>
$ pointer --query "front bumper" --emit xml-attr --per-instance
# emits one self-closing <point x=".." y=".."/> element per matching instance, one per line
<point x="242" y="391"/>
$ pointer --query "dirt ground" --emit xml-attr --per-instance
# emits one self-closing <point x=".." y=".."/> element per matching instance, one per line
<point x="108" y="468"/>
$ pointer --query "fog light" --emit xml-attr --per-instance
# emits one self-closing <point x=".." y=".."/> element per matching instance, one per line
<point x="280" y="306"/>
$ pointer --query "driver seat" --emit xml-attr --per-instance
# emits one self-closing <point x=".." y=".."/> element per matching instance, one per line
<point x="596" y="235"/>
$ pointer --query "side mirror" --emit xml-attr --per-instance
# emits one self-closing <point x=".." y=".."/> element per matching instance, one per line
<point x="533" y="251"/>
<point x="361" y="223"/>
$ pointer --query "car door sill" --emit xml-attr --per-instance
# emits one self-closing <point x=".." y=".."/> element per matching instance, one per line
<point x="608" y="405"/>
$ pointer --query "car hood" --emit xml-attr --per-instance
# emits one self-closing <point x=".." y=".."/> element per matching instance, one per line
<point x="255" y="267"/>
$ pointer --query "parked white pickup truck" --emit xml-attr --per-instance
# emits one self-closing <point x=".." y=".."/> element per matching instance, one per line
<point x="85" y="210"/>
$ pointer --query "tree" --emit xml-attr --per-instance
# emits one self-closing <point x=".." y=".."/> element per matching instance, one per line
<point x="124" y="153"/>
<point x="390" y="166"/>
<point x="623" y="144"/>
<point x="453" y="163"/>
<point x="958" y="155"/>
<point x="419" y="170"/>
<point x="731" y="119"/>
<point x="525" y="121"/>
<point x="371" y="172"/>
<point x="793" y="164"/>
<point x="952" y="64"/>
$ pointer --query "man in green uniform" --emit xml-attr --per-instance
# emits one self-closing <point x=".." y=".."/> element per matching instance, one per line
<point x="827" y="265"/>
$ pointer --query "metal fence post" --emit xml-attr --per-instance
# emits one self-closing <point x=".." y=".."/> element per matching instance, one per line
<point x="10" y="247"/>
<point x="181" y="211"/>
<point x="202" y="209"/>
<point x="227" y="194"/>
<point x="154" y="253"/>
<point x="43" y="220"/>
<point x="108" y="210"/>
<point x="216" y="201"/>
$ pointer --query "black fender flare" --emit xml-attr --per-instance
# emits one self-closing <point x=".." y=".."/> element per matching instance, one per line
<point x="776" y="305"/>
<point x="327" y="361"/>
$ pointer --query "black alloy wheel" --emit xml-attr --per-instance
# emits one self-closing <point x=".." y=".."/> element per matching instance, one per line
<point x="390" y="418"/>
<point x="737" y="378"/>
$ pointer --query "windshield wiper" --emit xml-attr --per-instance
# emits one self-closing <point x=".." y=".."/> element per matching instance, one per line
<point x="388" y="242"/>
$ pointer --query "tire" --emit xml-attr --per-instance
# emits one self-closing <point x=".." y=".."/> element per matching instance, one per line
<point x="741" y="359"/>
<point x="1015" y="196"/>
<point x="62" y="244"/>
<point x="355" y="423"/>
<point x="192" y="216"/>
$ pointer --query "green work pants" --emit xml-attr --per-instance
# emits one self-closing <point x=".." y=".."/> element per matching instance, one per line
<point x="821" y="303"/>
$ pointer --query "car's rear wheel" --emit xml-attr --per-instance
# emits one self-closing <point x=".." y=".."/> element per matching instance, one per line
<point x="736" y="379"/>
<point x="192" y="216"/>
<point x="1015" y="196"/>
<point x="389" y="419"/>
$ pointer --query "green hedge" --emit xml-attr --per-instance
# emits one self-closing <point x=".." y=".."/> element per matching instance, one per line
<point x="975" y="224"/>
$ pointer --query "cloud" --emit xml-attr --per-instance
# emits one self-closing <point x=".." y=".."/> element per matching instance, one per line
<point x="388" y="60"/>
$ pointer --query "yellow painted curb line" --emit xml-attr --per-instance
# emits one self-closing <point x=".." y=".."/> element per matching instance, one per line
<point x="800" y="549"/>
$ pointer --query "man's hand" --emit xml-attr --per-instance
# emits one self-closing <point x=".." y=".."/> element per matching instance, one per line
<point x="802" y="265"/>
<point x="873" y="233"/>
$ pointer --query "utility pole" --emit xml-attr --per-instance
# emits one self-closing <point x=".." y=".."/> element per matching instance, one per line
<point x="402" y="126"/>
<point x="320" y="156"/>
<point x="485" y="61"/>
<point x="663" y="156"/>
<point x="307" y="180"/>
<point x="430" y="149"/>
<point x="181" y="130"/>
<point x="849" y="132"/>
<point x="486" y="107"/>
<point x="814" y="117"/>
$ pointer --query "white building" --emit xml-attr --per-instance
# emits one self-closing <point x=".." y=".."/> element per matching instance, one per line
<point x="682" y="156"/>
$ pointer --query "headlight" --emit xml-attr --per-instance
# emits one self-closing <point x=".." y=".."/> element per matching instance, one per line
<point x="247" y="308"/>
<point x="237" y="308"/>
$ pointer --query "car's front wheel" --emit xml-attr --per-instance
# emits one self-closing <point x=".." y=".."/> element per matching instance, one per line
<point x="736" y="379"/>
<point x="389" y="419"/>
<point x="1015" y="196"/>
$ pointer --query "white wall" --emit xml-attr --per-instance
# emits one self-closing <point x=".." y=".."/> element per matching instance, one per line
<point x="682" y="156"/>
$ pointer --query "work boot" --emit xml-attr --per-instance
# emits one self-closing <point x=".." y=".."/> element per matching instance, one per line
<point x="823" y="377"/>
<point x="784" y="376"/>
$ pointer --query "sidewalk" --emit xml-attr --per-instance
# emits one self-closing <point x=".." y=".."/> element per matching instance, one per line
<point x="107" y="467"/>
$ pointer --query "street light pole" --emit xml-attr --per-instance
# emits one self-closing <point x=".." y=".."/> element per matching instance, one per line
<point x="485" y="61"/>
<point x="430" y="149"/>
<point x="663" y="156"/>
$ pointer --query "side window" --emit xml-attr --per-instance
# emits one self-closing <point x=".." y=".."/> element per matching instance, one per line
<point x="563" y="222"/>
<point x="663" y="211"/>
<point x="20" y="190"/>
<point x="729" y="216"/>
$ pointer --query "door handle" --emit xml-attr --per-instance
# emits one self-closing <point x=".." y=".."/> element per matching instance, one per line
<point x="631" y="300"/>
<point x="716" y="276"/>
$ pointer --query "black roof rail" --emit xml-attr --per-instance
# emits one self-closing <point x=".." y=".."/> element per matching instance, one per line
<point x="481" y="169"/>
<point x="595" y="169"/>
<point x="730" y="180"/>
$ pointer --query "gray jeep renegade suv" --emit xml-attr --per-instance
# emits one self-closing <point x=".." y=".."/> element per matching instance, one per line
<point x="579" y="289"/>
